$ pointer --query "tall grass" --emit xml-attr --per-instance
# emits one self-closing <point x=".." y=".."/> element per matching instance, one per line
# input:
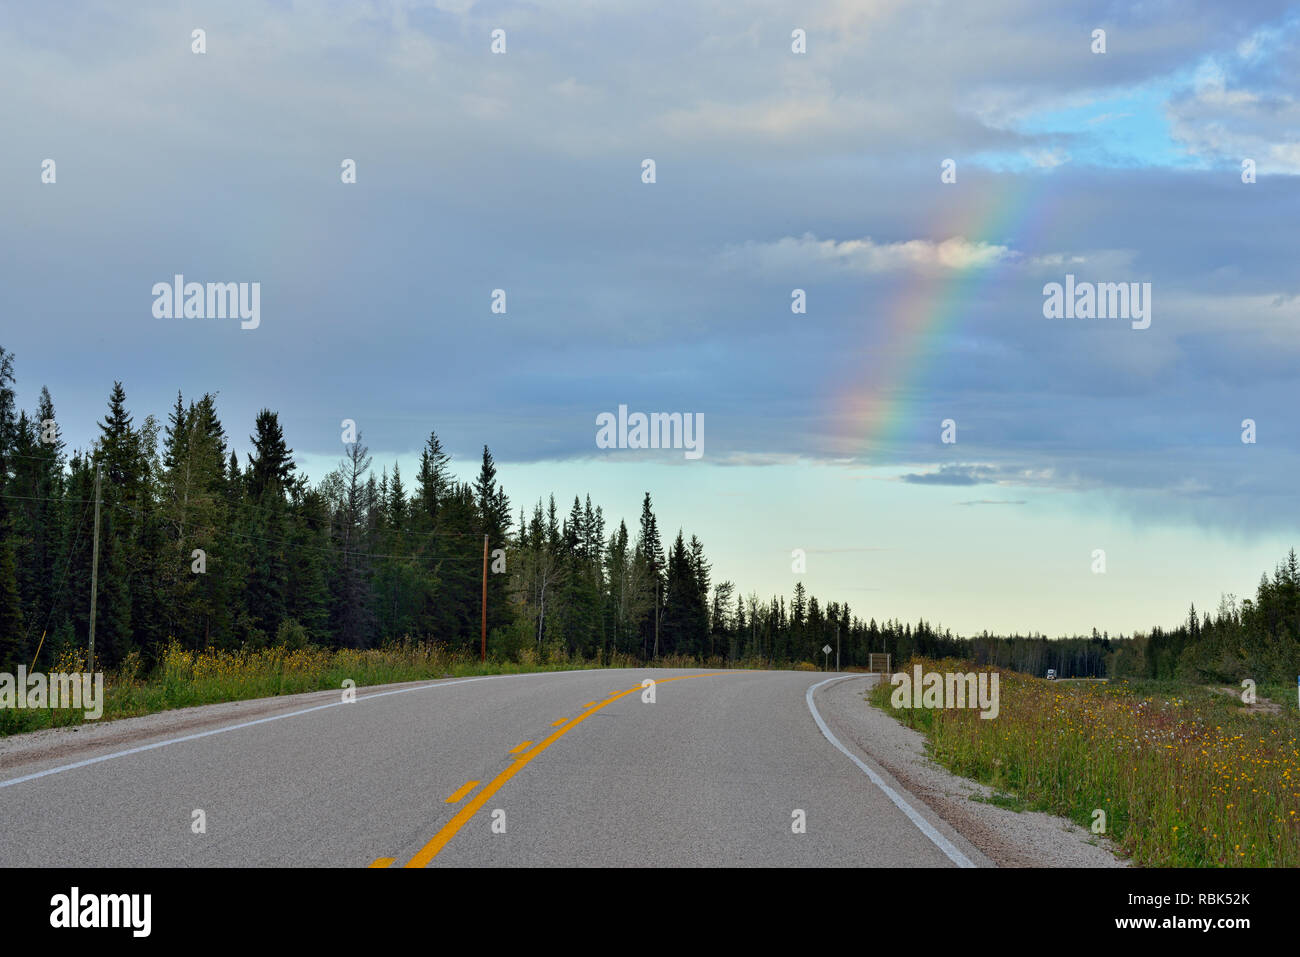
<point x="1185" y="777"/>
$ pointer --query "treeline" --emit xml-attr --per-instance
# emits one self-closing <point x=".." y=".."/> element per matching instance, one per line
<point x="203" y="548"/>
<point x="1255" y="638"/>
<point x="200" y="547"/>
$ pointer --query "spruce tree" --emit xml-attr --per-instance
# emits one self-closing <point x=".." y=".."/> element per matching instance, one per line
<point x="494" y="522"/>
<point x="271" y="461"/>
<point x="12" y="645"/>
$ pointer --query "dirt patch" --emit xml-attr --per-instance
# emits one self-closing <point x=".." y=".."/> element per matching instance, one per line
<point x="1261" y="705"/>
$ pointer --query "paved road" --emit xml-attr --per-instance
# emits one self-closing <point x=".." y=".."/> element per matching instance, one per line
<point x="711" y="773"/>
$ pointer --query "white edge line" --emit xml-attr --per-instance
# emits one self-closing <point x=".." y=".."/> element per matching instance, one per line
<point x="249" y="724"/>
<point x="926" y="828"/>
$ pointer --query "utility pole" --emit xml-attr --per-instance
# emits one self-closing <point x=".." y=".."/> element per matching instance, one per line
<point x="485" y="544"/>
<point x="94" y="573"/>
<point x="655" y="569"/>
<point x="837" y="646"/>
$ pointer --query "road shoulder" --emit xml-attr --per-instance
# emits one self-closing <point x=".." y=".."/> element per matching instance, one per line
<point x="33" y="749"/>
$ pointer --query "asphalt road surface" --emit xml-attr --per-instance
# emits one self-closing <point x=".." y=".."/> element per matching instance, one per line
<point x="556" y="769"/>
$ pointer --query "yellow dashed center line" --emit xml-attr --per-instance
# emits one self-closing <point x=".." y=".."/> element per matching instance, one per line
<point x="520" y="746"/>
<point x="461" y="791"/>
<point x="383" y="861"/>
<point x="556" y="724"/>
<point x="452" y="827"/>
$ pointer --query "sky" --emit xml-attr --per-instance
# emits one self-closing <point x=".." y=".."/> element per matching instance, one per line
<point x="774" y="170"/>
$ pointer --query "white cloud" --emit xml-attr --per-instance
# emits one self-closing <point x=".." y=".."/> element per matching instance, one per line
<point x="1047" y="159"/>
<point x="865" y="256"/>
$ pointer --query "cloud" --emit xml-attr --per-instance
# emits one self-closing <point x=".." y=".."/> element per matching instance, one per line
<point x="522" y="172"/>
<point x="953" y="475"/>
<point x="1047" y="158"/>
<point x="809" y="255"/>
<point x="863" y="256"/>
<point x="1239" y="107"/>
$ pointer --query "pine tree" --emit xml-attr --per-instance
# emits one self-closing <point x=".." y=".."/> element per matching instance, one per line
<point x="353" y="615"/>
<point x="195" y="513"/>
<point x="271" y="461"/>
<point x="38" y="469"/>
<point x="148" y="609"/>
<point x="679" y="624"/>
<point x="701" y="572"/>
<point x="433" y="482"/>
<point x="121" y="560"/>
<point x="651" y="549"/>
<point x="307" y="595"/>
<point x="12" y="645"/>
<point x="494" y="523"/>
<point x="721" y="636"/>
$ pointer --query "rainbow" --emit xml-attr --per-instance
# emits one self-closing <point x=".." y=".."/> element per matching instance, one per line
<point x="906" y="341"/>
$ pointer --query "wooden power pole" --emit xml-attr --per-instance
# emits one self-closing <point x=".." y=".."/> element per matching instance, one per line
<point x="94" y="573"/>
<point x="654" y="568"/>
<point x="485" y="553"/>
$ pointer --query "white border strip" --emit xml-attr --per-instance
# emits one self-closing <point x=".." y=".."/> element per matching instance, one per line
<point x="926" y="828"/>
<point x="249" y="724"/>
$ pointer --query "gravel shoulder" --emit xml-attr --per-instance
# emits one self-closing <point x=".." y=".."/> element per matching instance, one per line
<point x="30" y="750"/>
<point x="1008" y="838"/>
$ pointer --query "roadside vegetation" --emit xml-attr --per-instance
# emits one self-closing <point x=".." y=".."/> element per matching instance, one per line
<point x="1187" y="775"/>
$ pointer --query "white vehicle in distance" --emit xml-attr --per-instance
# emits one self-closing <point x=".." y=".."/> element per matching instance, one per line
<point x="1051" y="674"/>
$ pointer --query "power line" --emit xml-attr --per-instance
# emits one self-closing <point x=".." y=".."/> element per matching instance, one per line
<point x="44" y="498"/>
<point x="54" y="457"/>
